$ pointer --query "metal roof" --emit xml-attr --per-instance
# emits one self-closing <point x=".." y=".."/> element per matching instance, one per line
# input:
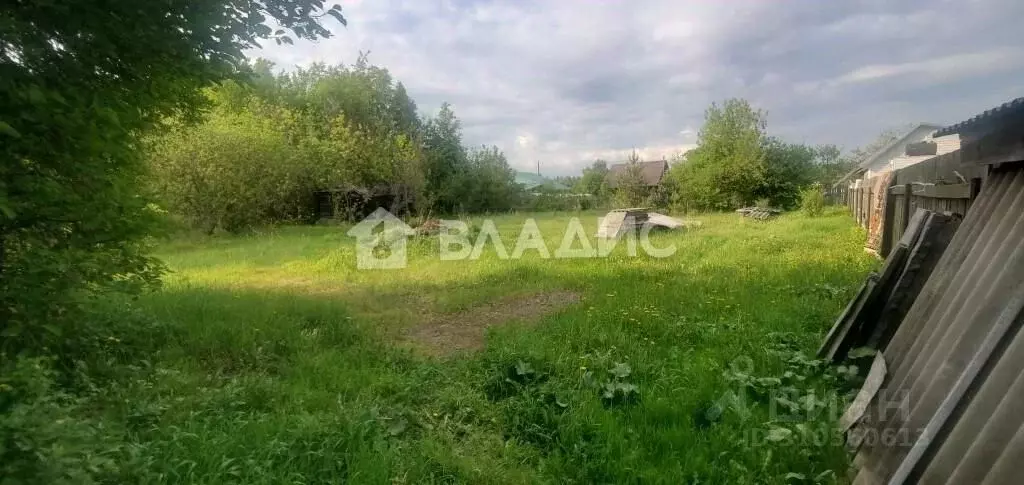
<point x="985" y="121"/>
<point x="652" y="172"/>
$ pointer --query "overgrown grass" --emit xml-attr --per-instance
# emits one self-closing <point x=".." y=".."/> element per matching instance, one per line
<point x="283" y="363"/>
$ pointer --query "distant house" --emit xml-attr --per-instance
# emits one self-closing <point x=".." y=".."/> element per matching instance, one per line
<point x="876" y="173"/>
<point x="532" y="182"/>
<point x="652" y="172"/>
<point x="915" y="146"/>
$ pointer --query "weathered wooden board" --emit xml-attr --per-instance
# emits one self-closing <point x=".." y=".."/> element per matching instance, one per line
<point x="935" y="235"/>
<point x="840" y="330"/>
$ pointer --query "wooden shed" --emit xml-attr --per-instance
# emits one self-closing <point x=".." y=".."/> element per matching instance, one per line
<point x="352" y="203"/>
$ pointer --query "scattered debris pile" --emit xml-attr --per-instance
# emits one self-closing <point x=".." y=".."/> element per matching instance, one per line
<point x="759" y="213"/>
<point x="621" y="221"/>
<point x="349" y="202"/>
<point x="430" y="227"/>
<point x="661" y="220"/>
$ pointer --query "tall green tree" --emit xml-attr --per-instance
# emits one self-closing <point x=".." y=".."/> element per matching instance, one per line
<point x="80" y="83"/>
<point x="488" y="182"/>
<point x="830" y="164"/>
<point x="261" y="152"/>
<point x="788" y="168"/>
<point x="728" y="166"/>
<point x="367" y="95"/>
<point x="402" y="110"/>
<point x="594" y="180"/>
<point x="630" y="187"/>
<point x="444" y="159"/>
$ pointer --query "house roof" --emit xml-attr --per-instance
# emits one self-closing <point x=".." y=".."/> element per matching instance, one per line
<point x="652" y="172"/>
<point x="984" y="121"/>
<point x="531" y="181"/>
<point x="849" y="175"/>
<point x="874" y="156"/>
<point x="867" y="162"/>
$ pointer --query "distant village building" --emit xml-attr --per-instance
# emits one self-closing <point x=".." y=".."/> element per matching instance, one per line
<point x="651" y="172"/>
<point x="915" y="146"/>
<point x="869" y="182"/>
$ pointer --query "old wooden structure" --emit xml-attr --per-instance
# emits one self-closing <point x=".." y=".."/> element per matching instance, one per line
<point x="948" y="410"/>
<point x="942" y="184"/>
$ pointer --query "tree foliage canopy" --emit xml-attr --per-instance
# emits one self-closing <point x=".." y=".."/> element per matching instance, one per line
<point x="80" y="83"/>
<point x="728" y="166"/>
<point x="737" y="164"/>
<point x="631" y="189"/>
<point x="594" y="180"/>
<point x="263" y="151"/>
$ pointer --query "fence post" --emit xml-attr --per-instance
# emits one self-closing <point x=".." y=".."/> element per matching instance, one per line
<point x="975" y="190"/>
<point x="867" y="213"/>
<point x="888" y="224"/>
<point x="908" y="190"/>
<point x="860" y="206"/>
<point x="856" y="204"/>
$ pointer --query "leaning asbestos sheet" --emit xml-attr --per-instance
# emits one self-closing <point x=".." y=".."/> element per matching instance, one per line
<point x="950" y="410"/>
<point x="664" y="221"/>
<point x="611" y="225"/>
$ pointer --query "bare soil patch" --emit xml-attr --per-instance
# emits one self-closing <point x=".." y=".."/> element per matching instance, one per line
<point x="447" y="334"/>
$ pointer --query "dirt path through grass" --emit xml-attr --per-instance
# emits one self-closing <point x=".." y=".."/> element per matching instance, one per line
<point x="283" y="363"/>
<point x="454" y="333"/>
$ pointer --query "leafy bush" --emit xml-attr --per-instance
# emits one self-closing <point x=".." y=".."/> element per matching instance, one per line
<point x="736" y="164"/>
<point x="812" y="201"/>
<point x="235" y="171"/>
<point x="44" y="436"/>
<point x="487" y="183"/>
<point x="73" y="217"/>
<point x="263" y="151"/>
<point x="557" y="203"/>
<point x="727" y="168"/>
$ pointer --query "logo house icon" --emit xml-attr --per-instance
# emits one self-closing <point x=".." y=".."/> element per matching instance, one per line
<point x="383" y="248"/>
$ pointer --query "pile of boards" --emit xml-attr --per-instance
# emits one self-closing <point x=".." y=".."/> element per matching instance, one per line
<point x="759" y="213"/>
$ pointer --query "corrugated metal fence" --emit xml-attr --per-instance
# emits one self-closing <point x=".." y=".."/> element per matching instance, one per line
<point x="951" y="410"/>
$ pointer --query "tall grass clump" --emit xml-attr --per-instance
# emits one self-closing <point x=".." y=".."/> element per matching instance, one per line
<point x="812" y="201"/>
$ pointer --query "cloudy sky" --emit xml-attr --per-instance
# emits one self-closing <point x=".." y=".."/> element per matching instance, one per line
<point x="566" y="81"/>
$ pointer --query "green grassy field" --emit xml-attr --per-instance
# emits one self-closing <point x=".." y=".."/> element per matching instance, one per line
<point x="282" y="363"/>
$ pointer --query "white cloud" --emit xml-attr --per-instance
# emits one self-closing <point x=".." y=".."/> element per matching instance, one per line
<point x="569" y="81"/>
<point x="947" y="68"/>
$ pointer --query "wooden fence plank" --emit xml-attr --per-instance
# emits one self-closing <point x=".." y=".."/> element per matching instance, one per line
<point x="943" y="191"/>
